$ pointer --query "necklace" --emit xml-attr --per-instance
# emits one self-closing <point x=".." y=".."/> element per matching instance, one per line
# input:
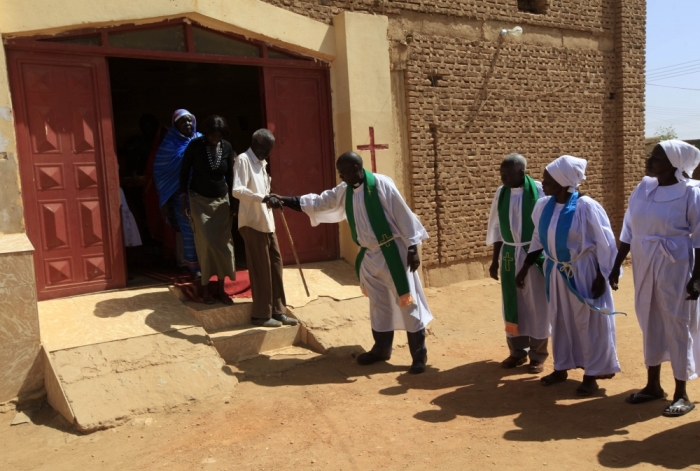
<point x="219" y="152"/>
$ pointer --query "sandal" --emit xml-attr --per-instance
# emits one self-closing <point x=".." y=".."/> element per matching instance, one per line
<point x="678" y="408"/>
<point x="641" y="398"/>
<point x="512" y="362"/>
<point x="554" y="378"/>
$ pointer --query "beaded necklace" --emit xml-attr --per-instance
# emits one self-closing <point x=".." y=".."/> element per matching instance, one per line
<point x="219" y="152"/>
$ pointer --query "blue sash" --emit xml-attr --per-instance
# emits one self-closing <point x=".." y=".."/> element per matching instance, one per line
<point x="563" y="256"/>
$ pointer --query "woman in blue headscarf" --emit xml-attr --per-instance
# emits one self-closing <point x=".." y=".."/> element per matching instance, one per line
<point x="166" y="174"/>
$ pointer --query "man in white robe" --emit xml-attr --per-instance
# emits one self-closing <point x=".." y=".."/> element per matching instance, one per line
<point x="662" y="229"/>
<point x="389" y="311"/>
<point x="580" y="251"/>
<point x="530" y="335"/>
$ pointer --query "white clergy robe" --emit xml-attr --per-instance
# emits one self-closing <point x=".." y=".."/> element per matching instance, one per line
<point x="385" y="313"/>
<point x="581" y="336"/>
<point x="662" y="226"/>
<point x="533" y="320"/>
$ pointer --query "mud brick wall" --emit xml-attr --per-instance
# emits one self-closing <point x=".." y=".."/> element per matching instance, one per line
<point x="471" y="101"/>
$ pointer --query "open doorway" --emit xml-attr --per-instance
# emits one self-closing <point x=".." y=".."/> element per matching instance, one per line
<point x="144" y="95"/>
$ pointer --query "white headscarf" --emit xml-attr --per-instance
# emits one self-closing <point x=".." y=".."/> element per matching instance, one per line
<point x="685" y="157"/>
<point x="568" y="170"/>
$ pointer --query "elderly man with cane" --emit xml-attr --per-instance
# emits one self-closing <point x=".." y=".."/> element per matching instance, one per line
<point x="251" y="185"/>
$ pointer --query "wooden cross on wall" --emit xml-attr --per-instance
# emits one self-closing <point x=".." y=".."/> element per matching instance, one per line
<point x="372" y="147"/>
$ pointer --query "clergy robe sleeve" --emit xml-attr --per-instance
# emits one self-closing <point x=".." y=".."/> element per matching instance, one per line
<point x="599" y="231"/>
<point x="694" y="216"/>
<point x="493" y="231"/>
<point x="328" y="207"/>
<point x="409" y="227"/>
<point x="241" y="175"/>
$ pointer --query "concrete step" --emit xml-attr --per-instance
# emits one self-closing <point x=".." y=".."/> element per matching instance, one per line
<point x="244" y="342"/>
<point x="217" y="316"/>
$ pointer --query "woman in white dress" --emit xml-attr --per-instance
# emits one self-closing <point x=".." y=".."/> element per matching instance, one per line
<point x="662" y="229"/>
<point x="575" y="234"/>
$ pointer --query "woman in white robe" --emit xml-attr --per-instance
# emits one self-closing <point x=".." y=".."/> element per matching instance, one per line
<point x="583" y="331"/>
<point x="662" y="230"/>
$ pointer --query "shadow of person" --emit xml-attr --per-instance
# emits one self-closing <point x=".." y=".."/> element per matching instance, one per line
<point x="484" y="391"/>
<point x="265" y="370"/>
<point x="671" y="449"/>
<point x="158" y="310"/>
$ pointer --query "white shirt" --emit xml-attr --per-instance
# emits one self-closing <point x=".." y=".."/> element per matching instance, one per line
<point x="251" y="183"/>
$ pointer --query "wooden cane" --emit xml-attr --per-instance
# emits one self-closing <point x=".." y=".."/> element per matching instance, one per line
<point x="294" y="250"/>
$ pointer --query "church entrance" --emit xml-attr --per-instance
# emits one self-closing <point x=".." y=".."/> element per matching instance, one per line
<point x="90" y="110"/>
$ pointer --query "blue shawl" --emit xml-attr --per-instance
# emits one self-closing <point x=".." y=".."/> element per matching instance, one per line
<point x="562" y="258"/>
<point x="166" y="168"/>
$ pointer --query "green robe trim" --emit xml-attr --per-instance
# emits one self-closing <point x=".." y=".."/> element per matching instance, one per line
<point x="508" y="269"/>
<point x="382" y="230"/>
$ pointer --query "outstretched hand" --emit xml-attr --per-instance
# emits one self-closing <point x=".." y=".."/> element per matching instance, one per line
<point x="412" y="258"/>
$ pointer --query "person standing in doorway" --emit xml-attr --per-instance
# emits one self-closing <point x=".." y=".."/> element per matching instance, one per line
<point x="166" y="176"/>
<point x="251" y="185"/>
<point x="510" y="231"/>
<point x="209" y="160"/>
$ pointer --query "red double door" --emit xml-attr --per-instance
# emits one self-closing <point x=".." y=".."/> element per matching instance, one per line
<point x="69" y="174"/>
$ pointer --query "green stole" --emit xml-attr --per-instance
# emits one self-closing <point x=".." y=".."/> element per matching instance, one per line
<point x="382" y="231"/>
<point x="508" y="269"/>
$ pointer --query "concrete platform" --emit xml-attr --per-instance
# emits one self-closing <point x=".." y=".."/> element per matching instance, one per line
<point x="109" y="356"/>
<point x="245" y="342"/>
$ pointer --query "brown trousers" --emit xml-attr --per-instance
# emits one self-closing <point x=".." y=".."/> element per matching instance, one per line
<point x="537" y="348"/>
<point x="265" y="270"/>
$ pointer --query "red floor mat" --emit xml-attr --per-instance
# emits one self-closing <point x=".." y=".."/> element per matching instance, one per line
<point x="240" y="288"/>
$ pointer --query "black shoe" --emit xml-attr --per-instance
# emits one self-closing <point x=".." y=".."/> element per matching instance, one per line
<point x="266" y="322"/>
<point x="418" y="367"/>
<point x="368" y="358"/>
<point x="284" y="319"/>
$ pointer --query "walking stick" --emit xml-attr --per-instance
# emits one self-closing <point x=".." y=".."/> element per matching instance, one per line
<point x="294" y="250"/>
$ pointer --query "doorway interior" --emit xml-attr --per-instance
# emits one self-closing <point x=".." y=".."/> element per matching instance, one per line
<point x="144" y="95"/>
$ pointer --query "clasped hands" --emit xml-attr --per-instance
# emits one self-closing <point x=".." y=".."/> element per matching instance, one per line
<point x="273" y="201"/>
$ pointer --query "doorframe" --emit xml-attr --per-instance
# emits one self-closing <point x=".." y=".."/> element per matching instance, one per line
<point x="40" y="45"/>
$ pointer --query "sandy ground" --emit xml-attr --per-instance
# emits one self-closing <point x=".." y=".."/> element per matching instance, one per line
<point x="329" y="413"/>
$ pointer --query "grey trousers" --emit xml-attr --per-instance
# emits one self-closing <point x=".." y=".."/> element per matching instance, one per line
<point x="537" y="348"/>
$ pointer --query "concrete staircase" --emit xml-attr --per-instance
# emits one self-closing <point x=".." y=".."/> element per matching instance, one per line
<point x="232" y="334"/>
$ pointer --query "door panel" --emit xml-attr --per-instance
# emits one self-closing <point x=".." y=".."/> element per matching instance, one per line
<point x="68" y="171"/>
<point x="298" y="113"/>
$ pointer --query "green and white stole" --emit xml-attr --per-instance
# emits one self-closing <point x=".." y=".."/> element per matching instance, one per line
<point x="508" y="269"/>
<point x="382" y="231"/>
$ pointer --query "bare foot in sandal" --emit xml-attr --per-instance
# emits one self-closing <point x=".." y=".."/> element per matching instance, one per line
<point x="588" y="386"/>
<point x="554" y="377"/>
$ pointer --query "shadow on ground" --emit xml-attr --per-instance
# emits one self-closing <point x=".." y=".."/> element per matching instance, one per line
<point x="484" y="391"/>
<point x="672" y="449"/>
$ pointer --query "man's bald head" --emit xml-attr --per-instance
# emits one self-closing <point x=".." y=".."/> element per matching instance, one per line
<point x="349" y="158"/>
<point x="349" y="166"/>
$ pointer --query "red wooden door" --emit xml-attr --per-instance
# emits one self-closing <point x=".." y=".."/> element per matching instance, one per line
<point x="69" y="172"/>
<point x="297" y="103"/>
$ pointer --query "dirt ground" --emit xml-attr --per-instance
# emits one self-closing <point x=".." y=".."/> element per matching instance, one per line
<point x="465" y="412"/>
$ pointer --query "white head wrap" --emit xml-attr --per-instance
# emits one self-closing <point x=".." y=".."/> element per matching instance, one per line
<point x="685" y="157"/>
<point x="568" y="170"/>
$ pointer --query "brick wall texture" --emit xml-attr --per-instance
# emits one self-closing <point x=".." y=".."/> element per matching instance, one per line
<point x="473" y="101"/>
